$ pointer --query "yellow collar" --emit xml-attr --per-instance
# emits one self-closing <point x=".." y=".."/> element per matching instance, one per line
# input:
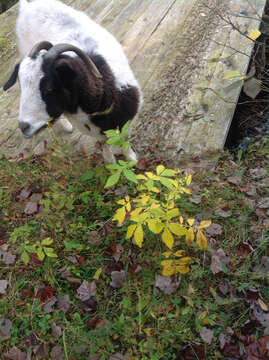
<point x="98" y="113"/>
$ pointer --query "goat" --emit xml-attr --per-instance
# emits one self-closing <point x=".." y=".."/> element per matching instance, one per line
<point x="73" y="66"/>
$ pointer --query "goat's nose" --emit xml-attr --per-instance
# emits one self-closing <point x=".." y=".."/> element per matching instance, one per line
<point x="24" y="126"/>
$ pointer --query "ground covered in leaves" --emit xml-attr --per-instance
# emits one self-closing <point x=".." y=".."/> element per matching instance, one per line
<point x="72" y="286"/>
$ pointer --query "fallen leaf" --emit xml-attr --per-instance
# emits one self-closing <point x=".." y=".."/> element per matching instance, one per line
<point x="57" y="353"/>
<point x="118" y="252"/>
<point x="167" y="284"/>
<point x="252" y="87"/>
<point x="36" y="197"/>
<point x="94" y="238"/>
<point x="56" y="330"/>
<point x="42" y="351"/>
<point x="7" y="257"/>
<point x="118" y="356"/>
<point x="257" y="173"/>
<point x="258" y="349"/>
<point x="244" y="249"/>
<point x="225" y="337"/>
<point x="86" y="290"/>
<point x="235" y="180"/>
<point x="5" y="327"/>
<point x="118" y="278"/>
<point x="3" y="286"/>
<point x="218" y="259"/>
<point x="214" y="229"/>
<point x="30" y="340"/>
<point x="15" y="354"/>
<point x="48" y="306"/>
<point x="89" y="305"/>
<point x="222" y="213"/>
<point x="44" y="293"/>
<point x="31" y="208"/>
<point x="206" y="335"/>
<point x="195" y="199"/>
<point x="264" y="203"/>
<point x="63" y="303"/>
<point x="263" y="266"/>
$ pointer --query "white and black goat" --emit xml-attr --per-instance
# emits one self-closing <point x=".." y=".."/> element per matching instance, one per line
<point x="71" y="65"/>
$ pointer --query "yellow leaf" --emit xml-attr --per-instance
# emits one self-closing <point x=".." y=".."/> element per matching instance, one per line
<point x="120" y="215"/>
<point x="141" y="177"/>
<point x="127" y="198"/>
<point x="181" y="220"/>
<point x="183" y="261"/>
<point x="201" y="240"/>
<point x="128" y="206"/>
<point x="155" y="226"/>
<point x="179" y="253"/>
<point x="189" y="237"/>
<point x="182" y="269"/>
<point x="186" y="191"/>
<point x="168" y="238"/>
<point x="159" y="169"/>
<point x="97" y="274"/>
<point x="190" y="221"/>
<point x="177" y="229"/>
<point x="188" y="180"/>
<point x="147" y="331"/>
<point x="254" y="34"/>
<point x="130" y="231"/>
<point x="136" y="211"/>
<point x="204" y="224"/>
<point x="262" y="304"/>
<point x="121" y="202"/>
<point x="155" y="189"/>
<point x="168" y="268"/>
<point x="172" y="213"/>
<point x="139" y="236"/>
<point x="145" y="199"/>
<point x="167" y="254"/>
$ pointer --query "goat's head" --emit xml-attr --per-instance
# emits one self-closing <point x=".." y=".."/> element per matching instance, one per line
<point x="46" y="79"/>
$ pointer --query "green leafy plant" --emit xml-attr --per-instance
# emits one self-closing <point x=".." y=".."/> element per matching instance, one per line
<point x="40" y="248"/>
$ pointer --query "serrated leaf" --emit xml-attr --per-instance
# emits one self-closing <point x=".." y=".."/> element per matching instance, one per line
<point x="152" y="176"/>
<point x="168" y="238"/>
<point x="141" y="177"/>
<point x="232" y="74"/>
<point x="177" y="229"/>
<point x="130" y="231"/>
<point x="25" y="257"/>
<point x="201" y="240"/>
<point x="172" y="213"/>
<point x="155" y="226"/>
<point x="136" y="212"/>
<point x="111" y="133"/>
<point x="120" y="215"/>
<point x="115" y="140"/>
<point x="254" y="34"/>
<point x="149" y="184"/>
<point x="97" y="274"/>
<point x="190" y="221"/>
<point x="47" y="241"/>
<point x="160" y="169"/>
<point x="131" y="164"/>
<point x="130" y="175"/>
<point x="139" y="236"/>
<point x="113" y="179"/>
<point x="189" y="237"/>
<point x="205" y="224"/>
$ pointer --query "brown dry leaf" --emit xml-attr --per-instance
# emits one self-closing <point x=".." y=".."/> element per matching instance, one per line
<point x="15" y="354"/>
<point x="264" y="203"/>
<point x="63" y="303"/>
<point x="31" y="208"/>
<point x="225" y="337"/>
<point x="167" y="284"/>
<point x="207" y="335"/>
<point x="214" y="230"/>
<point x="7" y="257"/>
<point x="42" y="351"/>
<point x="57" y="353"/>
<point x="118" y="278"/>
<point x="86" y="290"/>
<point x="118" y="252"/>
<point x="56" y="330"/>
<point x="195" y="199"/>
<point x="222" y="213"/>
<point x="218" y="259"/>
<point x="257" y="173"/>
<point x="3" y="286"/>
<point x="5" y="327"/>
<point x="94" y="238"/>
<point x="118" y="356"/>
<point x="24" y="194"/>
<point x="258" y="349"/>
<point x="48" y="307"/>
<point x="235" y="180"/>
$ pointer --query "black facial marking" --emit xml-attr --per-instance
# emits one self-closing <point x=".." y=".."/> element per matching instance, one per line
<point x="13" y="77"/>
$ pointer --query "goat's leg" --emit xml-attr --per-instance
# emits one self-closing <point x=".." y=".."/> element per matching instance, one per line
<point x="129" y="154"/>
<point x="108" y="154"/>
<point x="66" y="124"/>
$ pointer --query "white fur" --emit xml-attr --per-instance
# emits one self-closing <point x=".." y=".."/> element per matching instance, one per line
<point x="56" y="22"/>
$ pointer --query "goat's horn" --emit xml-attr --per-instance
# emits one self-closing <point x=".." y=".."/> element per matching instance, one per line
<point x="61" y="48"/>
<point x="39" y="46"/>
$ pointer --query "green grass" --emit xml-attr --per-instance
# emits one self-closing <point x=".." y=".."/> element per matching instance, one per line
<point x="137" y="320"/>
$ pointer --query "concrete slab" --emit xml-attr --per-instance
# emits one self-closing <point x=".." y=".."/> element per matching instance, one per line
<point x="180" y="51"/>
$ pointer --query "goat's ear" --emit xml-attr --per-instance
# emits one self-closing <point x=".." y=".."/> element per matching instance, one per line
<point x="11" y="81"/>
